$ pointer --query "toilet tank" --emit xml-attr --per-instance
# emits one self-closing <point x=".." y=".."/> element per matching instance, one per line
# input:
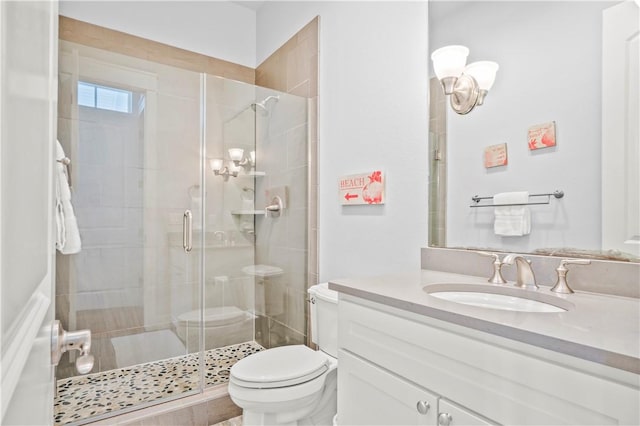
<point x="324" y="318"/>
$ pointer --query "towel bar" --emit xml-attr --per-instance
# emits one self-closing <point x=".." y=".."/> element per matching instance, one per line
<point x="557" y="194"/>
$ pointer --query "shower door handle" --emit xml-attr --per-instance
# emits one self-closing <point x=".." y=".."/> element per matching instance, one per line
<point x="187" y="231"/>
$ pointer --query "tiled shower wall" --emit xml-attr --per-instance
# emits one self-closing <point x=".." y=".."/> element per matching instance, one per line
<point x="437" y="165"/>
<point x="292" y="69"/>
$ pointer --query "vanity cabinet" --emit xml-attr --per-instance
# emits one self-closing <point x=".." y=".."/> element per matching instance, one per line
<point x="379" y="397"/>
<point x="393" y="364"/>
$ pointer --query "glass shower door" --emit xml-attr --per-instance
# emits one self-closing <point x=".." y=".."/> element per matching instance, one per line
<point x="132" y="130"/>
<point x="255" y="263"/>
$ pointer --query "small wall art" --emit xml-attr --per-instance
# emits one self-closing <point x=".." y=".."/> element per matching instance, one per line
<point x="365" y="188"/>
<point x="542" y="136"/>
<point x="495" y="155"/>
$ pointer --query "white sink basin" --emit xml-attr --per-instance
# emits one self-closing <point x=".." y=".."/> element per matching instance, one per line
<point x="501" y="297"/>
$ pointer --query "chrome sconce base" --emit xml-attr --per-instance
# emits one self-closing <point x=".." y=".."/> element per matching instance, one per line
<point x="225" y="173"/>
<point x="245" y="162"/>
<point x="465" y="94"/>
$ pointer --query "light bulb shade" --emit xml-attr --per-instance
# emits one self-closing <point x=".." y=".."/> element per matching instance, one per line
<point x="216" y="164"/>
<point x="449" y="61"/>
<point x="484" y="72"/>
<point x="252" y="157"/>
<point x="236" y="154"/>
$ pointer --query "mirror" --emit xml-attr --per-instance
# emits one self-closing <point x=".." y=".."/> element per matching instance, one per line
<point x="570" y="64"/>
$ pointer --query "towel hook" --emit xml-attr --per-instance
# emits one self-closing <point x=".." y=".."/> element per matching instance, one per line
<point x="66" y="162"/>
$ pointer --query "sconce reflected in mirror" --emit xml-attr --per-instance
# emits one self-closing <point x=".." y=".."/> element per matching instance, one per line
<point x="239" y="160"/>
<point x="467" y="86"/>
<point x="233" y="167"/>
<point x="220" y="169"/>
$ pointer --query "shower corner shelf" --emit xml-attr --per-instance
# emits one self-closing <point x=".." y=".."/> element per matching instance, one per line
<point x="247" y="212"/>
<point x="253" y="173"/>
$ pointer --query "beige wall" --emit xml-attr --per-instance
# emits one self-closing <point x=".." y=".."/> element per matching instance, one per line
<point x="137" y="47"/>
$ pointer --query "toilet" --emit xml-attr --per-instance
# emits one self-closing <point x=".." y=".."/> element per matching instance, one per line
<point x="223" y="326"/>
<point x="293" y="385"/>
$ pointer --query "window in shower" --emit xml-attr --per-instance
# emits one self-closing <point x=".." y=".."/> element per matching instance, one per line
<point x="102" y="97"/>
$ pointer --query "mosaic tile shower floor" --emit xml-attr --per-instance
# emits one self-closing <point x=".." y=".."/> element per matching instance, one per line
<point x="95" y="394"/>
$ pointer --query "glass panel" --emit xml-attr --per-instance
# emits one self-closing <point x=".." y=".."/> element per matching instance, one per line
<point x="282" y="242"/>
<point x="230" y="231"/>
<point x="255" y="266"/>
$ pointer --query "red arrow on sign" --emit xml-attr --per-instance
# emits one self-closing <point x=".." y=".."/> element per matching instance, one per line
<point x="348" y="196"/>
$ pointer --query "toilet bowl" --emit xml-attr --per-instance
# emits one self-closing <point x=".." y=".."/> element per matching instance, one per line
<point x="293" y="385"/>
<point x="223" y="326"/>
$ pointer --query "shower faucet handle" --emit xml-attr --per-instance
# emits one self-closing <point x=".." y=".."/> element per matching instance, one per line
<point x="63" y="341"/>
<point x="275" y="208"/>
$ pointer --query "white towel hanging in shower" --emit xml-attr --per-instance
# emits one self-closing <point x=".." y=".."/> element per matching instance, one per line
<point x="67" y="233"/>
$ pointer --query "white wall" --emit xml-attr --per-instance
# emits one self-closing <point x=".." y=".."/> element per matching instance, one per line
<point x="550" y="70"/>
<point x="373" y="114"/>
<point x="219" y="29"/>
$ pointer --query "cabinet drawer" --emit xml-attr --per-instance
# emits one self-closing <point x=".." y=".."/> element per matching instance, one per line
<point x="450" y="414"/>
<point x="370" y="395"/>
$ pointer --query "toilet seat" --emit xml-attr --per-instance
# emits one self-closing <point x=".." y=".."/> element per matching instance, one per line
<point x="279" y="367"/>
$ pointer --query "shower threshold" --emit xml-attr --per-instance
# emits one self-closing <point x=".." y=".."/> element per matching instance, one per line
<point x="82" y="399"/>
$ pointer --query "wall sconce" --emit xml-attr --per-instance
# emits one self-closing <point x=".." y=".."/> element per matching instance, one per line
<point x="238" y="158"/>
<point x="219" y="169"/>
<point x="467" y="86"/>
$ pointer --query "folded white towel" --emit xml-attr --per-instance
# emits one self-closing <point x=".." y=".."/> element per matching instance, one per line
<point x="67" y="234"/>
<point x="512" y="220"/>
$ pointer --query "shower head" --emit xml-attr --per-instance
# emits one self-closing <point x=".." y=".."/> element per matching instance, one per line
<point x="261" y="107"/>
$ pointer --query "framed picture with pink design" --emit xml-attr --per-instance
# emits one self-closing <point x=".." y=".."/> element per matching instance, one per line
<point x="542" y="136"/>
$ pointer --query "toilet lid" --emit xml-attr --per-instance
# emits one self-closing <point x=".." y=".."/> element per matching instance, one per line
<point x="279" y="367"/>
<point x="213" y="317"/>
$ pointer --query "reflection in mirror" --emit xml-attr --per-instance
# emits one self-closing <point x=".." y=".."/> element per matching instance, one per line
<point x="563" y="115"/>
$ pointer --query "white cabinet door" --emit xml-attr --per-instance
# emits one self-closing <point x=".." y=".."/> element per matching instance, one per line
<point x="451" y="415"/>
<point x="28" y="88"/>
<point x="370" y="395"/>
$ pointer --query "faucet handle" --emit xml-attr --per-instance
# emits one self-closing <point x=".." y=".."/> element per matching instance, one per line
<point x="562" y="286"/>
<point x="497" y="277"/>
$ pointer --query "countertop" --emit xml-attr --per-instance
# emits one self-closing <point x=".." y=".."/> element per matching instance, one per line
<point x="600" y="328"/>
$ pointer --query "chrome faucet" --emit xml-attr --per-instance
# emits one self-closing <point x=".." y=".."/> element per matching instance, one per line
<point x="525" y="277"/>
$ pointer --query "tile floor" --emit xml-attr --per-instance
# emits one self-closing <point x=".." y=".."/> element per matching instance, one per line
<point x="83" y="397"/>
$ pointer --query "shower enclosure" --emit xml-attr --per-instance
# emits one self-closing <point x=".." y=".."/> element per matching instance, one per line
<point x="181" y="273"/>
